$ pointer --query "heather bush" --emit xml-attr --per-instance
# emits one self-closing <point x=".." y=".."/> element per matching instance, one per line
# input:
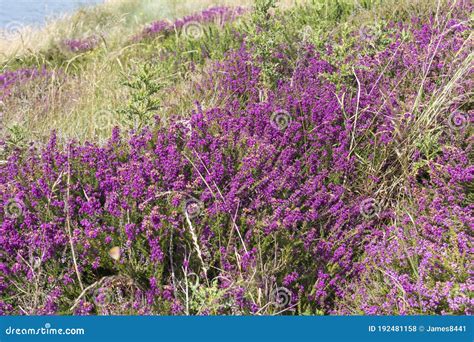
<point x="315" y="171"/>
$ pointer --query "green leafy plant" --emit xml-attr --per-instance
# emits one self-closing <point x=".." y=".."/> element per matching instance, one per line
<point x="143" y="101"/>
<point x="265" y="36"/>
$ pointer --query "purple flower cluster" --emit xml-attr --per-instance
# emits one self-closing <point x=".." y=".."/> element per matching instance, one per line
<point x="276" y="183"/>
<point x="219" y="15"/>
<point x="81" y="45"/>
<point x="9" y="79"/>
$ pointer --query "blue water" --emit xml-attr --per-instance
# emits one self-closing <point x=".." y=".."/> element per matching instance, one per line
<point x="35" y="12"/>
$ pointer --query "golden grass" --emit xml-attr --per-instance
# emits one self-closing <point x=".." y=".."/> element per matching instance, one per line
<point x="72" y="106"/>
<point x="79" y="107"/>
<point x="19" y="39"/>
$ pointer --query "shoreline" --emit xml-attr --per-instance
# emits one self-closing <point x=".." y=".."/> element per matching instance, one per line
<point x="37" y="14"/>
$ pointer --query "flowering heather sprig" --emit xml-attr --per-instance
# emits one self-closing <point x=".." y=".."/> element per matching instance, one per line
<point x="219" y="15"/>
<point x="10" y="78"/>
<point x="156" y="28"/>
<point x="81" y="45"/>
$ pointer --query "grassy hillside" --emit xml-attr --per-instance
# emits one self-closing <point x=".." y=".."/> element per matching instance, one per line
<point x="298" y="158"/>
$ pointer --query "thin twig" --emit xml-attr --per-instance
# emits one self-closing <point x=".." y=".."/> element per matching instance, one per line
<point x="220" y="194"/>
<point x="76" y="302"/>
<point x="356" y="114"/>
<point x="173" y="276"/>
<point x="196" y="243"/>
<point x="68" y="218"/>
